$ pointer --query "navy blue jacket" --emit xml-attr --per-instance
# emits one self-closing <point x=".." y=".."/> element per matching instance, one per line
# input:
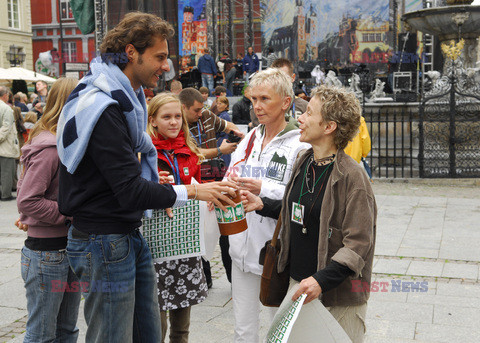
<point x="251" y="63"/>
<point x="206" y="65"/>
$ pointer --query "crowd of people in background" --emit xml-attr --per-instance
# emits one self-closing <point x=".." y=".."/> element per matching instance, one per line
<point x="82" y="190"/>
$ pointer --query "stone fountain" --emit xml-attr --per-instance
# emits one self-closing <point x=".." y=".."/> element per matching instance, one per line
<point x="455" y="20"/>
<point x="449" y="114"/>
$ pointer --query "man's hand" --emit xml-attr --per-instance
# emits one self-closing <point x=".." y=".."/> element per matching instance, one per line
<point x="238" y="133"/>
<point x="39" y="107"/>
<point x="21" y="226"/>
<point x="251" y="202"/>
<point x="214" y="192"/>
<point x="310" y="287"/>
<point x="227" y="148"/>
<point x="248" y="184"/>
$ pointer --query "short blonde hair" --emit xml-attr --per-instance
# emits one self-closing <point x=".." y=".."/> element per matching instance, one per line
<point x="155" y="104"/>
<point x="277" y="79"/>
<point x="342" y="107"/>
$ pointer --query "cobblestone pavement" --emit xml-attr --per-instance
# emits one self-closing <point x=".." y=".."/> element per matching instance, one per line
<point x="426" y="270"/>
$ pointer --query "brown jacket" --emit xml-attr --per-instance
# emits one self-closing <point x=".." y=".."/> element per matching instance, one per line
<point x="347" y="227"/>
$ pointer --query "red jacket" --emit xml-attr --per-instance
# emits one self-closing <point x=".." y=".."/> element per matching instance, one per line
<point x="187" y="160"/>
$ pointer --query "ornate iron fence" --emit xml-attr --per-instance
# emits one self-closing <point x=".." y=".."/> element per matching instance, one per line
<point x="394" y="135"/>
<point x="449" y="126"/>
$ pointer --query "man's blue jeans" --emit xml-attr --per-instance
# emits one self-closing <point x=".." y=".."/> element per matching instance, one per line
<point x="52" y="304"/>
<point x="207" y="81"/>
<point x="247" y="77"/>
<point x="119" y="286"/>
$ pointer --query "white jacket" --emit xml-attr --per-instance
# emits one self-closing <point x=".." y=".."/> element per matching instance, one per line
<point x="273" y="166"/>
<point x="8" y="133"/>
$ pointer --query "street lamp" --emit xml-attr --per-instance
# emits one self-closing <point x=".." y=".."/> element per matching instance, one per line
<point x="15" y="55"/>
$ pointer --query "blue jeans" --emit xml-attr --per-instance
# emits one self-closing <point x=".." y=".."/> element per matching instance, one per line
<point x="119" y="287"/>
<point x="229" y="78"/>
<point x="247" y="77"/>
<point x="207" y="81"/>
<point x="52" y="312"/>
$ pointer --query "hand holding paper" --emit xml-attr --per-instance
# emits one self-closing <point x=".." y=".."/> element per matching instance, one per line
<point x="310" y="287"/>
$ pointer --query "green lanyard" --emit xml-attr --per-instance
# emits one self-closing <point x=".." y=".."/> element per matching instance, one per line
<point x="303" y="181"/>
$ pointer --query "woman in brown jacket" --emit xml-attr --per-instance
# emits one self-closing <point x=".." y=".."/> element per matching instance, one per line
<point x="328" y="213"/>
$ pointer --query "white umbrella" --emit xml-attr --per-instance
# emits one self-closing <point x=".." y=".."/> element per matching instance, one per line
<point x="19" y="73"/>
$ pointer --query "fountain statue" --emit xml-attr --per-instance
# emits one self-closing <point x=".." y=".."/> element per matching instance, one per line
<point x="319" y="75"/>
<point x="458" y="20"/>
<point x="355" y="85"/>
<point x="378" y="92"/>
<point x="332" y="79"/>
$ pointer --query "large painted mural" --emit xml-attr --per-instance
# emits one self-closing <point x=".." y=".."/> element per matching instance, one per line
<point x="192" y="23"/>
<point x="332" y="34"/>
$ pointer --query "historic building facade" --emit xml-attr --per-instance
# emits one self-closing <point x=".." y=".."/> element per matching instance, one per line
<point x="15" y="29"/>
<point x="54" y="29"/>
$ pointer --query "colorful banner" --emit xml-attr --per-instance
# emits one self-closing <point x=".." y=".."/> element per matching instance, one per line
<point x="192" y="24"/>
<point x="333" y="35"/>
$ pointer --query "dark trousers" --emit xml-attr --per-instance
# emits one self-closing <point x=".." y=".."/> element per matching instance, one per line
<point x="179" y="324"/>
<point x="226" y="259"/>
<point x="7" y="171"/>
<point x="207" y="270"/>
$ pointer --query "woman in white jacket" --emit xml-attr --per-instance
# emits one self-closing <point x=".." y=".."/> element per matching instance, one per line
<point x="264" y="172"/>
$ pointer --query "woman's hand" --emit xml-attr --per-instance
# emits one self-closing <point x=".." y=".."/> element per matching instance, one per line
<point x="20" y="225"/>
<point x="248" y="184"/>
<point x="310" y="287"/>
<point x="250" y="201"/>
<point x="214" y="192"/>
<point x="165" y="177"/>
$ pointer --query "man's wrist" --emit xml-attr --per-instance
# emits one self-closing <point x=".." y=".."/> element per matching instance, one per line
<point x="219" y="152"/>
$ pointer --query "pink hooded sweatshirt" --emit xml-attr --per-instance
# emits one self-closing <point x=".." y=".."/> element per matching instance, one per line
<point x="37" y="189"/>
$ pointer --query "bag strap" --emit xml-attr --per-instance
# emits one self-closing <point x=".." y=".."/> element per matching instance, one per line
<point x="249" y="148"/>
<point x="277" y="231"/>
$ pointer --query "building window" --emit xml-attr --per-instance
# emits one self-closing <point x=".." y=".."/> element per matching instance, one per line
<point x="379" y="37"/>
<point x="65" y="9"/>
<point x="70" y="51"/>
<point x="13" y="15"/>
<point x="365" y="37"/>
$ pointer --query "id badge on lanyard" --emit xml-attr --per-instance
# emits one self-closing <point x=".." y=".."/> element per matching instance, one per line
<point x="297" y="213"/>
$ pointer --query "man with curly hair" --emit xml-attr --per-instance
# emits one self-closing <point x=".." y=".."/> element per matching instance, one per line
<point x="105" y="189"/>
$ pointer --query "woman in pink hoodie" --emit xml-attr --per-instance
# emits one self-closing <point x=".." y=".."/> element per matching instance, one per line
<point x="53" y="293"/>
